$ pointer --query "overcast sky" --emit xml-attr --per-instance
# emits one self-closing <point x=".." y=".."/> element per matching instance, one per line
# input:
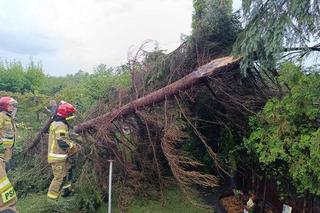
<point x="68" y="35"/>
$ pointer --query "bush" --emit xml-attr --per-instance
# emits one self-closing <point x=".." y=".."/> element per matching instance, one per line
<point x="286" y="135"/>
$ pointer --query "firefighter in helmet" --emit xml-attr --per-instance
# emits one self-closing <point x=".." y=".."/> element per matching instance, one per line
<point x="60" y="149"/>
<point x="8" y="109"/>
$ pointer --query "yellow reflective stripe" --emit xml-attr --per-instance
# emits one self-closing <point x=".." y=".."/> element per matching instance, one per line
<point x="4" y="184"/>
<point x="71" y="145"/>
<point x="52" y="145"/>
<point x="70" y="118"/>
<point x="60" y="131"/>
<point x="3" y="179"/>
<point x="8" y="142"/>
<point x="53" y="126"/>
<point x="54" y="159"/>
<point x="53" y="195"/>
<point x="53" y="156"/>
<point x="58" y="155"/>
<point x="67" y="186"/>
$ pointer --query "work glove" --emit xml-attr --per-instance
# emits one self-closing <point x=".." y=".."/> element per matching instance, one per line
<point x="75" y="137"/>
<point x="74" y="149"/>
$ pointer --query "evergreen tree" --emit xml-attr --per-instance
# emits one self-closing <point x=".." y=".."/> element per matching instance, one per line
<point x="276" y="26"/>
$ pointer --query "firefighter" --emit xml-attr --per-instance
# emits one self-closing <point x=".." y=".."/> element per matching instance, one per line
<point x="8" y="109"/>
<point x="60" y="149"/>
<point x="52" y="108"/>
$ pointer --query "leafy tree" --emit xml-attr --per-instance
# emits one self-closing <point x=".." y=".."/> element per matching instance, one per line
<point x="84" y="90"/>
<point x="286" y="134"/>
<point x="75" y="94"/>
<point x="52" y="85"/>
<point x="11" y="76"/>
<point x="15" y="78"/>
<point x="104" y="80"/>
<point x="33" y="77"/>
<point x="275" y="26"/>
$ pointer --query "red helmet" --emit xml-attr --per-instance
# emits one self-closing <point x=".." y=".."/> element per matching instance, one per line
<point x="66" y="110"/>
<point x="7" y="101"/>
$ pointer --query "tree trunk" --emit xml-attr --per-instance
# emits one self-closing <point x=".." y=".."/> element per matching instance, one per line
<point x="305" y="203"/>
<point x="196" y="77"/>
<point x="264" y="192"/>
<point x="36" y="140"/>
<point x="199" y="75"/>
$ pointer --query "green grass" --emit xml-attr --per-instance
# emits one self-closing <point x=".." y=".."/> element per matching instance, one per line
<point x="175" y="202"/>
<point x="38" y="203"/>
<point x="32" y="203"/>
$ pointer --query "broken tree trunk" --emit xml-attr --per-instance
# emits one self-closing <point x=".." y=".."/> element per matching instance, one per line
<point x="36" y="140"/>
<point x="199" y="75"/>
<point x="195" y="77"/>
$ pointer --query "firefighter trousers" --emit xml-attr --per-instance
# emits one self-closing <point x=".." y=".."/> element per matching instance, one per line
<point x="60" y="170"/>
<point x="8" y="197"/>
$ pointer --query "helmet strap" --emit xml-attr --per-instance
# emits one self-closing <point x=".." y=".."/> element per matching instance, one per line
<point x="70" y="118"/>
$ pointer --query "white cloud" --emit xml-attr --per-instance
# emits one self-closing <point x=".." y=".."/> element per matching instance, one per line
<point x="85" y="33"/>
<point x="101" y="31"/>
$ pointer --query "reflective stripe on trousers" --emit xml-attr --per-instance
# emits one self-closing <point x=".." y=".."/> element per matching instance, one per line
<point x="4" y="184"/>
<point x="58" y="157"/>
<point x="8" y="142"/>
<point x="53" y="195"/>
<point x="8" y="196"/>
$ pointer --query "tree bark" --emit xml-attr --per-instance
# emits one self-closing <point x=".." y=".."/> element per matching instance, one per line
<point x="36" y="140"/>
<point x="264" y="192"/>
<point x="195" y="77"/>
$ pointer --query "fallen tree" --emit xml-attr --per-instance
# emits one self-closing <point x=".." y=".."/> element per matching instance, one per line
<point x="152" y="147"/>
<point x="147" y="136"/>
<point x="195" y="77"/>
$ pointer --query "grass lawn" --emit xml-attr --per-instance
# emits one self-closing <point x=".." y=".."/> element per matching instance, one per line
<point x="175" y="202"/>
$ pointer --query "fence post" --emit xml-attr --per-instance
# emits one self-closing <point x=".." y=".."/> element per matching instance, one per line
<point x="110" y="185"/>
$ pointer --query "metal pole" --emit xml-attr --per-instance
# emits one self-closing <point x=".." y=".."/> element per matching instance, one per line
<point x="110" y="182"/>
